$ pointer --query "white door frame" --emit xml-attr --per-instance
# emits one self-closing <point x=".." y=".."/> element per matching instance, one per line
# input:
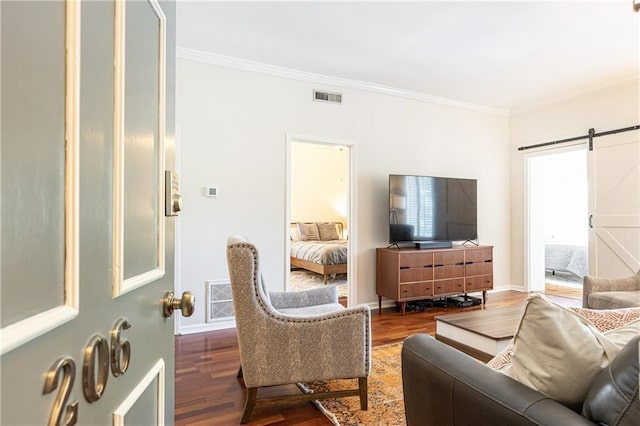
<point x="533" y="246"/>
<point x="352" y="242"/>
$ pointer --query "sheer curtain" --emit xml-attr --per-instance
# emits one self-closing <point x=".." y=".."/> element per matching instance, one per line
<point x="420" y="195"/>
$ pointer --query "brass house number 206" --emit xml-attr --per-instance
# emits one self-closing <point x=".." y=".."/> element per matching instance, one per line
<point x="95" y="372"/>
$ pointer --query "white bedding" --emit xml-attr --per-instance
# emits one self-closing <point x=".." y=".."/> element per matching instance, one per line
<point x="332" y="252"/>
<point x="566" y="258"/>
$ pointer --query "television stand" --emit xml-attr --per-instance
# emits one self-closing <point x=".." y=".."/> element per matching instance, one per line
<point x="433" y="244"/>
<point x="408" y="274"/>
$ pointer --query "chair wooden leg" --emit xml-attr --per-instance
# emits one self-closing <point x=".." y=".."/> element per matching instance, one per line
<point x="364" y="398"/>
<point x="252" y="394"/>
<point x="239" y="375"/>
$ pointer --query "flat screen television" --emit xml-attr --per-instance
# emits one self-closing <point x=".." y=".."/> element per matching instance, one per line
<point x="432" y="209"/>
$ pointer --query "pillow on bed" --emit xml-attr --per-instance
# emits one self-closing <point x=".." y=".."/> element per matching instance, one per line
<point x="327" y="231"/>
<point x="308" y="231"/>
<point x="295" y="234"/>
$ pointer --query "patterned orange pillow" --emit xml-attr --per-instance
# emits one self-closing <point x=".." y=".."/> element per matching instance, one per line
<point x="609" y="319"/>
<point x="502" y="358"/>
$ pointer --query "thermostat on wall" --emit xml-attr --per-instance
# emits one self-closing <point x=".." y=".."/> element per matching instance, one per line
<point x="211" y="191"/>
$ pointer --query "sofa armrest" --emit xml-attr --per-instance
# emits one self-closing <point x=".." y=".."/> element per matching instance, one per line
<point x="443" y="386"/>
<point x="301" y="299"/>
<point x="595" y="285"/>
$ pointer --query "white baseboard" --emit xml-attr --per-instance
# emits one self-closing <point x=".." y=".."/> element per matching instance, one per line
<point x="500" y="288"/>
<point x="516" y="288"/>
<point x="385" y="304"/>
<point x="211" y="326"/>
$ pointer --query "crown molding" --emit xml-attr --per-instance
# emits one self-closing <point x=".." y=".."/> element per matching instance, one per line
<point x="261" y="68"/>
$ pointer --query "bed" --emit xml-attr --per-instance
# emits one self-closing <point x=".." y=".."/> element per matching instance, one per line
<point x="319" y="247"/>
<point x="566" y="258"/>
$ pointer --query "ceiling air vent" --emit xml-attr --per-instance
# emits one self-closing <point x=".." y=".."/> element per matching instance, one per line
<point x="327" y="97"/>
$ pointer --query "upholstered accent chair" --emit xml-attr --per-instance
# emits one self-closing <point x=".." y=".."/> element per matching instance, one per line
<point x="294" y="337"/>
<point x="611" y="293"/>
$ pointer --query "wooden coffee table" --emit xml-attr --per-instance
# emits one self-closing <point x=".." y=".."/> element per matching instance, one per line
<point x="481" y="334"/>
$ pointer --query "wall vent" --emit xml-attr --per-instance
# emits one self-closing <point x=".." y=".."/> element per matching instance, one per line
<point x="335" y="98"/>
<point x="219" y="301"/>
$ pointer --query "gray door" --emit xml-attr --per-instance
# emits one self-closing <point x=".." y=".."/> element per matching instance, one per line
<point x="87" y="252"/>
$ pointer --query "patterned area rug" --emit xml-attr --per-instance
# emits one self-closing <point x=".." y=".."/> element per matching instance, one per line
<point x="305" y="280"/>
<point x="386" y="404"/>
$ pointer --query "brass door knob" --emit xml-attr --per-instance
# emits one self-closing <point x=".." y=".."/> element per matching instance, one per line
<point x="186" y="304"/>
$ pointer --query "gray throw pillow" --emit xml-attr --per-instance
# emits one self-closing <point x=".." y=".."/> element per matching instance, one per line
<point x="327" y="231"/>
<point x="308" y="231"/>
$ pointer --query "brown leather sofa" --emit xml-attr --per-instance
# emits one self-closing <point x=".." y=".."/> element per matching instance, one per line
<point x="443" y="386"/>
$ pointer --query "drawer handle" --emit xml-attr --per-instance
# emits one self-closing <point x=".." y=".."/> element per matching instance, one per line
<point x="427" y="266"/>
<point x="459" y="263"/>
<point x="488" y="261"/>
<point x="468" y="263"/>
<point x="405" y="267"/>
<point x="439" y="265"/>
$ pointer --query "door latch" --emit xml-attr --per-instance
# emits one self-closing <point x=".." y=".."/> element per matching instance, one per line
<point x="172" y="198"/>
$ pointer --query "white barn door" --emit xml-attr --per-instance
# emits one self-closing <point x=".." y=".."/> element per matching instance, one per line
<point x="614" y="205"/>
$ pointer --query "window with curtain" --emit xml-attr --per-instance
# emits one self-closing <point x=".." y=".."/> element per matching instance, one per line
<point x="420" y="194"/>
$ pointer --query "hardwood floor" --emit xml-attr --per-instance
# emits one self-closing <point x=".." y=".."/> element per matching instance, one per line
<point x="208" y="392"/>
<point x="570" y="292"/>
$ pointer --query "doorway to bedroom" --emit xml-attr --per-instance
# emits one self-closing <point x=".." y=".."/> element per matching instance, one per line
<point x="318" y="225"/>
<point x="558" y="221"/>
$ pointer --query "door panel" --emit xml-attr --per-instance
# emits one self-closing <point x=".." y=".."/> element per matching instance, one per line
<point x="138" y="167"/>
<point x="139" y="393"/>
<point x="141" y="122"/>
<point x="39" y="178"/>
<point x="614" y="203"/>
<point x="145" y="404"/>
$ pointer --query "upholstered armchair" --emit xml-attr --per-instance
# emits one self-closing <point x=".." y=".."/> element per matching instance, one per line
<point x="611" y="293"/>
<point x="294" y="337"/>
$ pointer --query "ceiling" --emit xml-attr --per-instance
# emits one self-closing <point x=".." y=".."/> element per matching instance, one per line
<point x="506" y="55"/>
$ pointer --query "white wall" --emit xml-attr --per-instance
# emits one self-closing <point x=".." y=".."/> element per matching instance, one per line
<point x="233" y="134"/>
<point x="319" y="183"/>
<point x="605" y="109"/>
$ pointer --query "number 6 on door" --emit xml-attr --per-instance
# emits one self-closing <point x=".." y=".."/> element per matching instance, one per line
<point x="119" y="345"/>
